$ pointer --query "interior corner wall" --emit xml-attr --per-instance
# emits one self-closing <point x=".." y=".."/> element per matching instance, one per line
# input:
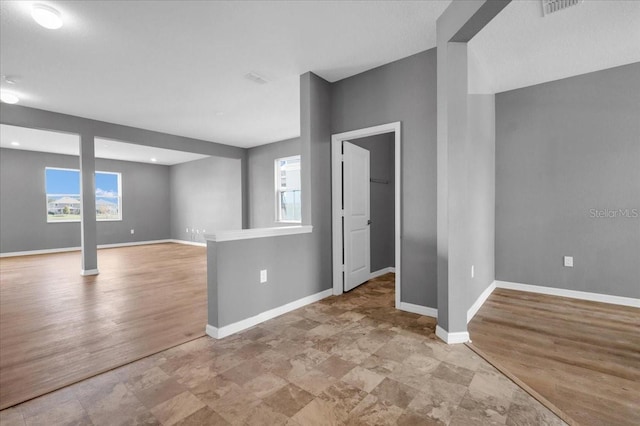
<point x="568" y="181"/>
<point x="382" y="190"/>
<point x="206" y="196"/>
<point x="405" y="91"/>
<point x="480" y="250"/>
<point x="23" y="207"/>
<point x="261" y="172"/>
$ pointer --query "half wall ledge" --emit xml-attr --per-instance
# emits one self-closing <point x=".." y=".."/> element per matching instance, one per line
<point x="246" y="234"/>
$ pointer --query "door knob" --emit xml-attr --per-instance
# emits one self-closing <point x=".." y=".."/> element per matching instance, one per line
<point x="369" y="222"/>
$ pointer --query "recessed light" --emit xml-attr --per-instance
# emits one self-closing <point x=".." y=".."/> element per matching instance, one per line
<point x="46" y="16"/>
<point x="15" y="143"/>
<point x="9" y="98"/>
<point x="154" y="160"/>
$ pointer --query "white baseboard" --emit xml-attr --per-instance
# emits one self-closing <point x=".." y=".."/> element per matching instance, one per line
<point x="582" y="295"/>
<point x="452" y="338"/>
<point x="381" y="272"/>
<point x="227" y="330"/>
<point x="88" y="272"/>
<point x="480" y="301"/>
<point x="418" y="309"/>
<point x="66" y="249"/>
<point x="133" y="243"/>
<point x="189" y="243"/>
<point x="36" y="252"/>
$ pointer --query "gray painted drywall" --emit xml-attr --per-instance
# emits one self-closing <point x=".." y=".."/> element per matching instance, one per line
<point x="456" y="146"/>
<point x="261" y="163"/>
<point x="298" y="265"/>
<point x="480" y="251"/>
<point x="236" y="275"/>
<point x="23" y="221"/>
<point x="88" y="222"/>
<point x="404" y="91"/>
<point x="382" y="168"/>
<point x="562" y="149"/>
<point x="206" y="195"/>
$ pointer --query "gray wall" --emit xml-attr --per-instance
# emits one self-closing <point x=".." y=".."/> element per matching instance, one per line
<point x="206" y="195"/>
<point x="481" y="196"/>
<point x="297" y="265"/>
<point x="261" y="176"/>
<point x="404" y="91"/>
<point x="562" y="149"/>
<point x="23" y="221"/>
<point x="382" y="167"/>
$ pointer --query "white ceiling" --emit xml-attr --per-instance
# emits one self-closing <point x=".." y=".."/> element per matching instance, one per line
<point x="178" y="66"/>
<point x="520" y="47"/>
<point x="174" y="66"/>
<point x="68" y="144"/>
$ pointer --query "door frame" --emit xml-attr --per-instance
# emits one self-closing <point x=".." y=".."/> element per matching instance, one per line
<point x="336" y="200"/>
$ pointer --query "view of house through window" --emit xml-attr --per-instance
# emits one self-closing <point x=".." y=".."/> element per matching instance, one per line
<point x="288" y="202"/>
<point x="63" y="195"/>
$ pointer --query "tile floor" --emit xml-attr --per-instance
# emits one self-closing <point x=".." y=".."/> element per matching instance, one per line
<point x="352" y="360"/>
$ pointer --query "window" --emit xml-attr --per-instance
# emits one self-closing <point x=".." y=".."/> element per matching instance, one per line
<point x="62" y="187"/>
<point x="288" y="202"/>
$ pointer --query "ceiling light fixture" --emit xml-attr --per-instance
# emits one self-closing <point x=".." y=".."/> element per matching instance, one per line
<point x="15" y="143"/>
<point x="46" y="16"/>
<point x="9" y="98"/>
<point x="153" y="160"/>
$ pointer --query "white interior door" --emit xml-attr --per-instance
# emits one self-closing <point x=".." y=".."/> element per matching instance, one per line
<point x="356" y="204"/>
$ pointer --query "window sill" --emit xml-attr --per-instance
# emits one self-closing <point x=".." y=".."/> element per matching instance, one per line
<point x="246" y="234"/>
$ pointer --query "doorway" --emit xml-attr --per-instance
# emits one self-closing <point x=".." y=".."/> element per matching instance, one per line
<point x="349" y="230"/>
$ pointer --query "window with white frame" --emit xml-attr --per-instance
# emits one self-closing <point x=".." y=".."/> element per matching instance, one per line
<point x="288" y="190"/>
<point x="62" y="187"/>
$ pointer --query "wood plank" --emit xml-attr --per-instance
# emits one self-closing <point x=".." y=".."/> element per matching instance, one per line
<point x="57" y="327"/>
<point x="580" y="358"/>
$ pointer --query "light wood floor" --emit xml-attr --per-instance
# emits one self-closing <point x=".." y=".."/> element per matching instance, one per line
<point x="583" y="357"/>
<point x="57" y="327"/>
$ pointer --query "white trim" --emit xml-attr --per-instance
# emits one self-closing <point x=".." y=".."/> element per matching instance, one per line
<point x="582" y="295"/>
<point x="480" y="301"/>
<point x="66" y="249"/>
<point x="133" y="243"/>
<point x="189" y="243"/>
<point x="418" y="309"/>
<point x="36" y="252"/>
<point x="87" y="272"/>
<point x="227" y="330"/>
<point x="452" y="338"/>
<point x="336" y="198"/>
<point x="245" y="234"/>
<point x="381" y="272"/>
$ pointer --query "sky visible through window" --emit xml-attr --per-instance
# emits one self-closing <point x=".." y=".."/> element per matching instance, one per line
<point x="68" y="182"/>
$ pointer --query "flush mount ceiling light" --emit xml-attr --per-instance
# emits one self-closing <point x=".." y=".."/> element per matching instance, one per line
<point x="9" y="98"/>
<point x="154" y="160"/>
<point x="46" y="16"/>
<point x="15" y="143"/>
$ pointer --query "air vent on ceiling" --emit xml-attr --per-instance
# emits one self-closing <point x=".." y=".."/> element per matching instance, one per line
<point x="256" y="78"/>
<point x="551" y="6"/>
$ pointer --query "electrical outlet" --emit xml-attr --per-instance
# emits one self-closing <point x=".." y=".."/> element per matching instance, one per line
<point x="568" y="261"/>
<point x="133" y="231"/>
<point x="263" y="276"/>
<point x="473" y="271"/>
